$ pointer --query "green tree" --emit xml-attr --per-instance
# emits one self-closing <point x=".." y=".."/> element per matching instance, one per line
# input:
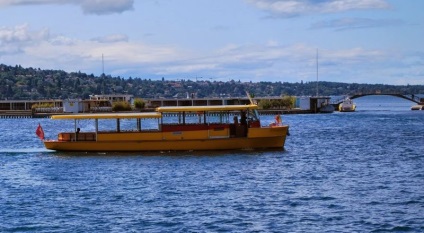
<point x="121" y="106"/>
<point x="139" y="103"/>
<point x="77" y="84"/>
<point x="264" y="104"/>
<point x="288" y="101"/>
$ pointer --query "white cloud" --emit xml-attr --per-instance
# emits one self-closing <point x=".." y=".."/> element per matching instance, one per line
<point x="71" y="54"/>
<point x="356" y="23"/>
<point x="62" y="40"/>
<point x="272" y="62"/>
<point x="98" y="7"/>
<point x="15" y="39"/>
<point x="288" y="8"/>
<point x="269" y="61"/>
<point x="111" y="38"/>
<point x="101" y="7"/>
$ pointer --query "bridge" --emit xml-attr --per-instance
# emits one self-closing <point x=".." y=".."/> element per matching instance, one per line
<point x="410" y="97"/>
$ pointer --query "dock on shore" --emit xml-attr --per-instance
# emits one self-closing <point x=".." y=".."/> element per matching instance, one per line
<point x="22" y="114"/>
<point x="29" y="114"/>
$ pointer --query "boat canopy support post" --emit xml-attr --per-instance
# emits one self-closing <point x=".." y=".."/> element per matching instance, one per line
<point x="139" y="124"/>
<point x="160" y="121"/>
<point x="118" y="125"/>
<point x="75" y="129"/>
<point x="184" y="116"/>
<point x="96" y="126"/>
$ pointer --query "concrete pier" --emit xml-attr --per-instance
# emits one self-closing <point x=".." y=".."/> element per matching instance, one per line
<point x="22" y="114"/>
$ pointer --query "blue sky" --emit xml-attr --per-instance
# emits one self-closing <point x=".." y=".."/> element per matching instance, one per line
<point x="358" y="41"/>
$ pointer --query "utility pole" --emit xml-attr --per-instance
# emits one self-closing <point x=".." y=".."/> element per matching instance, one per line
<point x="103" y="65"/>
<point x="317" y="71"/>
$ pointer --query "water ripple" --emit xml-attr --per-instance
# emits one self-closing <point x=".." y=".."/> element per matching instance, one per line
<point x="359" y="172"/>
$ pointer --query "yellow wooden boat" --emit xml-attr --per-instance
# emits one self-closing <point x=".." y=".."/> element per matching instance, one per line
<point x="174" y="129"/>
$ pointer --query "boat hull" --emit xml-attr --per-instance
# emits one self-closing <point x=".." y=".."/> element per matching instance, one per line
<point x="347" y="106"/>
<point x="257" y="138"/>
<point x="417" y="107"/>
<point x="352" y="109"/>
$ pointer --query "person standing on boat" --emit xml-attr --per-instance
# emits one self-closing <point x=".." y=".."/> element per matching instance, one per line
<point x="243" y="118"/>
<point x="243" y="124"/>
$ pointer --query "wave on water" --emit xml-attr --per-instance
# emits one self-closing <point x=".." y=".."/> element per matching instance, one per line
<point x="24" y="150"/>
<point x="341" y="172"/>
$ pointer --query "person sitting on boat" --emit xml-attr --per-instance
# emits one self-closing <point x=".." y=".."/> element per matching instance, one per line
<point x="277" y="122"/>
<point x="77" y="133"/>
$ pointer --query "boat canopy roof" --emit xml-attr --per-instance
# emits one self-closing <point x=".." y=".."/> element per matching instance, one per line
<point x="108" y="116"/>
<point x="156" y="114"/>
<point x="206" y="108"/>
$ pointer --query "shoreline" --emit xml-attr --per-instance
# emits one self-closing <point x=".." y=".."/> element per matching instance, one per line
<point x="7" y="114"/>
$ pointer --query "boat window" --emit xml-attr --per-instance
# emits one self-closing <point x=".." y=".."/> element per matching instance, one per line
<point x="181" y="118"/>
<point x="211" y="117"/>
<point x="149" y="124"/>
<point x="86" y="125"/>
<point x="172" y="118"/>
<point x="107" y="125"/>
<point x="128" y="124"/>
<point x="195" y="118"/>
<point x="253" y="115"/>
<point x="218" y="117"/>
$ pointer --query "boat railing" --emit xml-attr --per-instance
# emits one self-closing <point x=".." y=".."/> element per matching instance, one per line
<point x="130" y="131"/>
<point x="49" y="110"/>
<point x="101" y="109"/>
<point x="183" y="127"/>
<point x="69" y="137"/>
<point x="193" y="126"/>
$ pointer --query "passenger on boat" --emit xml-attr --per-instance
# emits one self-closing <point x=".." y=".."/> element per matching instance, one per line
<point x="233" y="127"/>
<point x="277" y="122"/>
<point x="76" y="134"/>
<point x="243" y="118"/>
<point x="235" y="121"/>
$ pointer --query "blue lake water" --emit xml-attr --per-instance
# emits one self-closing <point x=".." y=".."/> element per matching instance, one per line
<point x="342" y="172"/>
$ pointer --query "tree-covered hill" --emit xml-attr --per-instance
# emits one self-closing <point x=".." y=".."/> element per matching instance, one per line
<point x="21" y="83"/>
